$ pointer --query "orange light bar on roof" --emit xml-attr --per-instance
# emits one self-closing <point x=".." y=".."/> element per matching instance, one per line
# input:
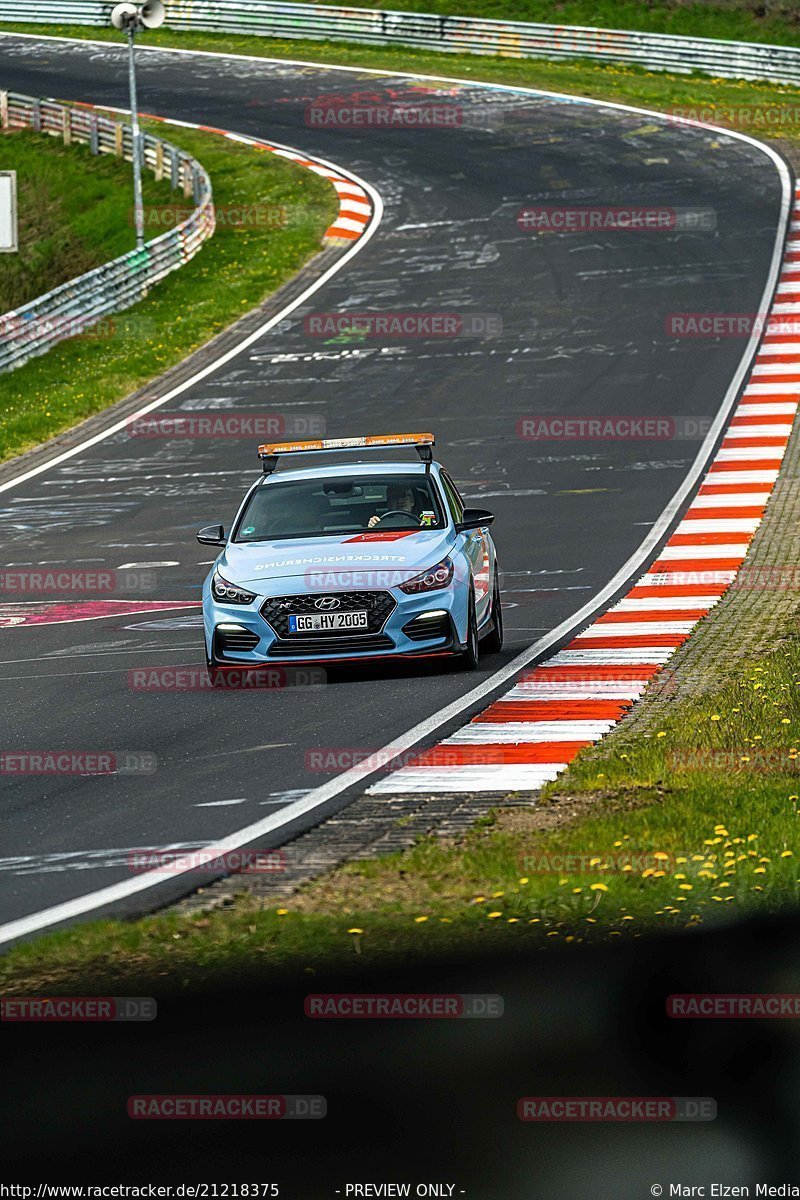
<point x="351" y="443"/>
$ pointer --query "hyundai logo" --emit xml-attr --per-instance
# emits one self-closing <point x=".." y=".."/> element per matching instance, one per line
<point x="327" y="602"/>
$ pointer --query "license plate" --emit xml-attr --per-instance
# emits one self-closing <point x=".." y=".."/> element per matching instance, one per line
<point x="327" y="622"/>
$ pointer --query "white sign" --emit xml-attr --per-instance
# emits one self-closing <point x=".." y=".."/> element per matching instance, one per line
<point x="8" y="212"/>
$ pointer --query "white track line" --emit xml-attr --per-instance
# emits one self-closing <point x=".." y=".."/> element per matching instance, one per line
<point x="537" y="774"/>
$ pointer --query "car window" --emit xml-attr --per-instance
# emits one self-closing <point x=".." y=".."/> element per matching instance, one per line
<point x="454" y="501"/>
<point x="317" y="507"/>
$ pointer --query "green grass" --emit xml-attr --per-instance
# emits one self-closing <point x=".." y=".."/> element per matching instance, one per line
<point x="694" y="825"/>
<point x="74" y="213"/>
<point x="236" y="269"/>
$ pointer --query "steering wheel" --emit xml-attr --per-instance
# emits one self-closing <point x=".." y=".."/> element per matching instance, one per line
<point x="396" y="512"/>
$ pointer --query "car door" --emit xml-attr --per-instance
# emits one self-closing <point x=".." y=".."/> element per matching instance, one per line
<point x="478" y="548"/>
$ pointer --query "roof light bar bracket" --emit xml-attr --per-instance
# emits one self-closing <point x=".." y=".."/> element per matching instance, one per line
<point x="423" y="443"/>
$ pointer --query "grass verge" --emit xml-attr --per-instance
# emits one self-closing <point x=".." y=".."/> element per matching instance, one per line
<point x="694" y="825"/>
<point x="234" y="272"/>
<point x="74" y="213"/>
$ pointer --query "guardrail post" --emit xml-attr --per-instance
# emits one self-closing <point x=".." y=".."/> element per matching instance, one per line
<point x="159" y="171"/>
<point x="174" y="169"/>
<point x="94" y="136"/>
<point x="187" y="178"/>
<point x="36" y="116"/>
<point x="119" y="145"/>
<point x="4" y="110"/>
<point x="67" y="126"/>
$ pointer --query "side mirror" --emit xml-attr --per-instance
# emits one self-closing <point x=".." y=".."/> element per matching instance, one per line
<point x="474" y="518"/>
<point x="212" y="535"/>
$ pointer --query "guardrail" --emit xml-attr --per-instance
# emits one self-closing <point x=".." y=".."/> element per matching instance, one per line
<point x="515" y="39"/>
<point x="80" y="303"/>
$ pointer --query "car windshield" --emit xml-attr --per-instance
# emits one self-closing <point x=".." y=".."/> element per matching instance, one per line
<point x="337" y="505"/>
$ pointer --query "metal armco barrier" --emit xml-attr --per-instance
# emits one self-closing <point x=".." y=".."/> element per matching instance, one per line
<point x="78" y="304"/>
<point x="515" y="39"/>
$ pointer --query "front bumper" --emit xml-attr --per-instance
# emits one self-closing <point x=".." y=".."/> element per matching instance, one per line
<point x="399" y="625"/>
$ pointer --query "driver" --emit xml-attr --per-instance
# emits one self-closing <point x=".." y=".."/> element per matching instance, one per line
<point x="399" y="498"/>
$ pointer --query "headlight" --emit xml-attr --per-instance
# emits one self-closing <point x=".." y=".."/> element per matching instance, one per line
<point x="436" y="577"/>
<point x="229" y="593"/>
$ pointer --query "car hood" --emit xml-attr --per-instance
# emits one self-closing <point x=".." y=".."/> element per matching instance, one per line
<point x="362" y="561"/>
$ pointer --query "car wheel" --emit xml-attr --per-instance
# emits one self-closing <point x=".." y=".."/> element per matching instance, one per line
<point x="468" y="658"/>
<point x="493" y="642"/>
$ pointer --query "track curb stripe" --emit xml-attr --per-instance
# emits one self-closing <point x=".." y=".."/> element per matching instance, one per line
<point x="579" y="694"/>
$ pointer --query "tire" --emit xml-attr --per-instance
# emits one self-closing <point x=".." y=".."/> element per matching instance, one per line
<point x="467" y="660"/>
<point x="493" y="642"/>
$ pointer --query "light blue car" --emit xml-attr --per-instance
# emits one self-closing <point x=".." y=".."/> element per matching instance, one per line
<point x="358" y="560"/>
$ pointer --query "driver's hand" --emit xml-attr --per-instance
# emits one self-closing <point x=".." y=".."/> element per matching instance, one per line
<point x="372" y="522"/>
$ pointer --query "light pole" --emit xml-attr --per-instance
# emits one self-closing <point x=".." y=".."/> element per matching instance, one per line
<point x="130" y="18"/>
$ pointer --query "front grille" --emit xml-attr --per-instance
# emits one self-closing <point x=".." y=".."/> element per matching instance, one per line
<point x="321" y="644"/>
<point x="378" y="606"/>
<point x="235" y="641"/>
<point x="423" y="628"/>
